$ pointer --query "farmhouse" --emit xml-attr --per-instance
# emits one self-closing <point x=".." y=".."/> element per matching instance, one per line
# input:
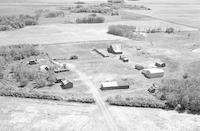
<point x="153" y="73"/>
<point x="114" y="85"/>
<point x="115" y="49"/>
<point x="66" y="84"/>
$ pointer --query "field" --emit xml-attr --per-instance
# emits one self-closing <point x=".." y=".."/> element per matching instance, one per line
<point x="46" y="115"/>
<point x="60" y="37"/>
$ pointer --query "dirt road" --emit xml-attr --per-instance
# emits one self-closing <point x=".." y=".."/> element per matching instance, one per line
<point x="99" y="101"/>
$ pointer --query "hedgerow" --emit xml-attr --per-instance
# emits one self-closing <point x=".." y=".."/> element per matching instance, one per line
<point x="136" y="101"/>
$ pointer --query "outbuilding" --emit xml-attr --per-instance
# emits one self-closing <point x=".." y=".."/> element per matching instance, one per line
<point x="153" y="73"/>
<point x="44" y="68"/>
<point x="66" y="84"/>
<point x="32" y="62"/>
<point x="114" y="85"/>
<point x="160" y="64"/>
<point x="115" y="49"/>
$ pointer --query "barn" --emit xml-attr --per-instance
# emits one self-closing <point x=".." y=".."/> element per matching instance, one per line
<point x="153" y="73"/>
<point x="114" y="85"/>
<point x="115" y="49"/>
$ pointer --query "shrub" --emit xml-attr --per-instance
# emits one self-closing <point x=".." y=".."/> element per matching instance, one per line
<point x="185" y="92"/>
<point x="5" y="27"/>
<point x="169" y="30"/>
<point x="155" y="30"/>
<point x="54" y="14"/>
<point x="136" y="101"/>
<point x="90" y="19"/>
<point x="79" y="2"/>
<point x="121" y="30"/>
<point x="30" y="22"/>
<point x="116" y="1"/>
<point x="40" y="83"/>
<point x="23" y="82"/>
<point x="125" y="31"/>
<point x="18" y="52"/>
<point x="16" y="22"/>
<point x="51" y="78"/>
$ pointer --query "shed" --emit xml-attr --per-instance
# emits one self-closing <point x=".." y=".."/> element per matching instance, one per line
<point x="115" y="49"/>
<point x="66" y="84"/>
<point x="160" y="64"/>
<point x="114" y="85"/>
<point x="139" y="67"/>
<point x="153" y="72"/>
<point x="32" y="62"/>
<point x="44" y="68"/>
<point x="102" y="52"/>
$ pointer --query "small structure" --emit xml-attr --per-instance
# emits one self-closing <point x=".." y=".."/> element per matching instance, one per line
<point x="44" y="68"/>
<point x="59" y="79"/>
<point x="153" y="73"/>
<point x="66" y="84"/>
<point x="102" y="52"/>
<point x="139" y="67"/>
<point x="114" y="85"/>
<point x="32" y="62"/>
<point x="1" y="75"/>
<point x="160" y="64"/>
<point x="73" y="57"/>
<point x="124" y="58"/>
<point x="59" y="70"/>
<point x="115" y="49"/>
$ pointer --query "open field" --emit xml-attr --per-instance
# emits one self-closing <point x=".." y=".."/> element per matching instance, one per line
<point x="178" y="11"/>
<point x="25" y="114"/>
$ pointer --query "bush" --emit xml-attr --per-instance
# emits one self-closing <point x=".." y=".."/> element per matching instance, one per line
<point x="79" y="2"/>
<point x="125" y="31"/>
<point x="23" y="82"/>
<point x="136" y="101"/>
<point x="30" y="22"/>
<point x="5" y="27"/>
<point x="47" y="96"/>
<point x="156" y="30"/>
<point x="121" y="30"/>
<point x="54" y="14"/>
<point x="18" y="52"/>
<point x="16" y="22"/>
<point x="90" y="19"/>
<point x="185" y="92"/>
<point x="40" y="83"/>
<point x="116" y="1"/>
<point x="169" y="30"/>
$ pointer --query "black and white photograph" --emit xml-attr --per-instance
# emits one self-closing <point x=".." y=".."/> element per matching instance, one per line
<point x="99" y="65"/>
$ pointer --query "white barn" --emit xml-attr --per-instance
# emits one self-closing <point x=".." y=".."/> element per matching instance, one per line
<point x="153" y="73"/>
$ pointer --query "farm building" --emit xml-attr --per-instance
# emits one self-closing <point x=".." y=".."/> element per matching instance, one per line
<point x="32" y="62"/>
<point x="153" y="73"/>
<point x="66" y="84"/>
<point x="114" y="85"/>
<point x="102" y="52"/>
<point x="115" y="49"/>
<point x="58" y="70"/>
<point x="44" y="68"/>
<point x="160" y="64"/>
<point x="139" y="67"/>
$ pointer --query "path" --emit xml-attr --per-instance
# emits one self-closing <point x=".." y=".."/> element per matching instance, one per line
<point x="99" y="101"/>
